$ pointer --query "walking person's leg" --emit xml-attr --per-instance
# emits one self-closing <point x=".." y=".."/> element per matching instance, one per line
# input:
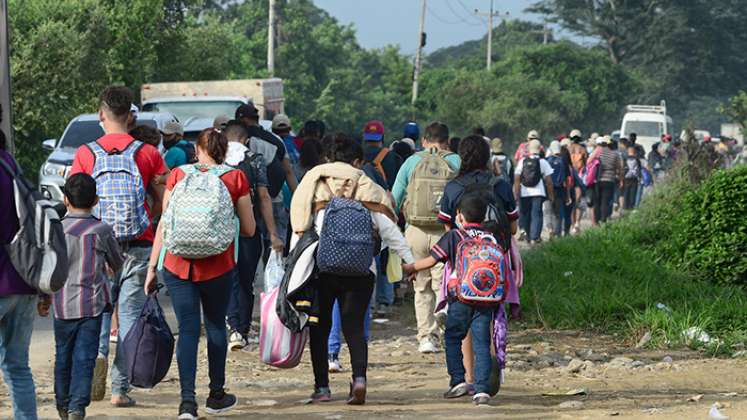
<point x="241" y="298"/>
<point x="319" y="339"/>
<point x="425" y="299"/>
<point x="16" y="325"/>
<point x="457" y="325"/>
<point x="525" y="212"/>
<point x="384" y="289"/>
<point x="481" y="334"/>
<point x="85" y="351"/>
<point x="536" y="218"/>
<point x="64" y="343"/>
<point x="333" y="342"/>
<point x="353" y="298"/>
<point x="607" y="190"/>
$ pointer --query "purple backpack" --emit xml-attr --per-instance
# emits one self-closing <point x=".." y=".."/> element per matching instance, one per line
<point x="149" y="346"/>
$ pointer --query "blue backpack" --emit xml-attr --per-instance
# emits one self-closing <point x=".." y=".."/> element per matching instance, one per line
<point x="346" y="244"/>
<point x="149" y="346"/>
<point x="560" y="170"/>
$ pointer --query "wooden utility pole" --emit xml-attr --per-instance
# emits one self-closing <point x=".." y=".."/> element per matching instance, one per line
<point x="419" y="54"/>
<point x="271" y="40"/>
<point x="490" y="14"/>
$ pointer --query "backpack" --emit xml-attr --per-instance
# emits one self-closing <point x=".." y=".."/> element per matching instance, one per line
<point x="189" y="151"/>
<point x="121" y="190"/>
<point x="38" y="251"/>
<point x="560" y="171"/>
<point x="531" y="172"/>
<point x="502" y="167"/>
<point x="247" y="167"/>
<point x="633" y="173"/>
<point x="592" y="172"/>
<point x="278" y="345"/>
<point x="426" y="188"/>
<point x="482" y="271"/>
<point x="378" y="160"/>
<point x="200" y="220"/>
<point x="149" y="346"/>
<point x="346" y="242"/>
<point x="370" y="170"/>
<point x="496" y="220"/>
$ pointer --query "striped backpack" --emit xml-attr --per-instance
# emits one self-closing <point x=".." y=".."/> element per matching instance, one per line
<point x="200" y="220"/>
<point x="121" y="191"/>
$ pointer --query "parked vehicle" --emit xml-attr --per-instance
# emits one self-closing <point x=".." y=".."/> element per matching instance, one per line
<point x="81" y="130"/>
<point x="649" y="122"/>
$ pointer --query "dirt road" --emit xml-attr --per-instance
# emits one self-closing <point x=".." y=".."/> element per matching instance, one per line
<point x="615" y="380"/>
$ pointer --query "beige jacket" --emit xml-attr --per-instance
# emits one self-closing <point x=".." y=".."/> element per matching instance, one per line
<point x="317" y="187"/>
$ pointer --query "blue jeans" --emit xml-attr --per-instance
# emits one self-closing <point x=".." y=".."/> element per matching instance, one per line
<point x="106" y="323"/>
<point x="16" y="324"/>
<point x="334" y="343"/>
<point x="76" y="345"/>
<point x="530" y="216"/>
<point x="131" y="299"/>
<point x="559" y="211"/>
<point x="187" y="297"/>
<point x="384" y="289"/>
<point x="462" y="318"/>
<point x="241" y="303"/>
<point x="639" y="195"/>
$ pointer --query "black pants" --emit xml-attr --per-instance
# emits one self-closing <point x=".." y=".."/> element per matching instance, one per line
<point x="354" y="295"/>
<point x="630" y="191"/>
<point x="605" y="190"/>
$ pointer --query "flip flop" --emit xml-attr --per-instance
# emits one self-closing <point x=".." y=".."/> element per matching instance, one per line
<point x="129" y="402"/>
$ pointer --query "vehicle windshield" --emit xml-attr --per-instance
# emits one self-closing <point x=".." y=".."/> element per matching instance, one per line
<point x="183" y="111"/>
<point x="644" y="128"/>
<point x="82" y="132"/>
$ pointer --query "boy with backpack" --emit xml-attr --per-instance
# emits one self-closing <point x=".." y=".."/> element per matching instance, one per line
<point x="418" y="190"/>
<point x="93" y="251"/>
<point x="632" y="178"/>
<point x="560" y="173"/>
<point x="477" y="288"/>
<point x="533" y="184"/>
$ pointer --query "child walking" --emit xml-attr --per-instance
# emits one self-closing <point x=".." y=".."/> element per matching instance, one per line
<point x="79" y="305"/>
<point x="482" y="260"/>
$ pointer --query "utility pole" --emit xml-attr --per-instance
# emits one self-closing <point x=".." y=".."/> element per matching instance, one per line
<point x="271" y="40"/>
<point x="419" y="54"/>
<point x="5" y="115"/>
<point x="490" y="16"/>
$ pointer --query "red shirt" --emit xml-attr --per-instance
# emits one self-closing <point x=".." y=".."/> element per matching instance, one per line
<point x="148" y="161"/>
<point x="217" y="265"/>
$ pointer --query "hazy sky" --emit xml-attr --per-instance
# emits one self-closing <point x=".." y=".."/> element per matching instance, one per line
<point x="447" y="22"/>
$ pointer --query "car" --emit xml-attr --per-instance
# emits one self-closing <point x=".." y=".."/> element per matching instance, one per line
<point x="82" y="129"/>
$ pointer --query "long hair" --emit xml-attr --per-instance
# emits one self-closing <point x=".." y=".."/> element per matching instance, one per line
<point x="475" y="154"/>
<point x="214" y="143"/>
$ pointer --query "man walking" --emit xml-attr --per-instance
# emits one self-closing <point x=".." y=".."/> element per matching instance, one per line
<point x="533" y="185"/>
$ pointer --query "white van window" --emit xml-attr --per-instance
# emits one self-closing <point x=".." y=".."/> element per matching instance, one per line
<point x="644" y="128"/>
<point x="183" y="111"/>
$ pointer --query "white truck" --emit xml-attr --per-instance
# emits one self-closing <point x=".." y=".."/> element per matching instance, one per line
<point x="197" y="104"/>
<point x="649" y="122"/>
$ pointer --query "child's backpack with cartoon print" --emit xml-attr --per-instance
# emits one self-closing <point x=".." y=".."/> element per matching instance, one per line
<point x="482" y="270"/>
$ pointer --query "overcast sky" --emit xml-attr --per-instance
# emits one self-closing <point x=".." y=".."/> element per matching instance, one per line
<point x="448" y="22"/>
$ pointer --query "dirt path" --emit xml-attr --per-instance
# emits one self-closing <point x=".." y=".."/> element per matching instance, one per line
<point x="618" y="381"/>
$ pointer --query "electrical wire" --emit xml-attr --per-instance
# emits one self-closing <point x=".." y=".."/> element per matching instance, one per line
<point x="440" y="19"/>
<point x="454" y="12"/>
<point x="471" y="12"/>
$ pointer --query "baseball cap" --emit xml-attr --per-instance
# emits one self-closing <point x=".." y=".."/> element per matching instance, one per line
<point x="246" y="111"/>
<point x="534" y="147"/>
<point x="566" y="142"/>
<point x="496" y="145"/>
<point x="373" y="131"/>
<point x="575" y="133"/>
<point x="219" y="123"/>
<point x="554" y="147"/>
<point x="412" y="131"/>
<point x="533" y="135"/>
<point x="173" y="127"/>
<point x="281" y="121"/>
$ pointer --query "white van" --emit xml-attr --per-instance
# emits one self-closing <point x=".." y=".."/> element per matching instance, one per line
<point x="649" y="122"/>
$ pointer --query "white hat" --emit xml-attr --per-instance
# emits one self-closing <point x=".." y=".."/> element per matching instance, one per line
<point x="554" y="147"/>
<point x="534" y="147"/>
<point x="533" y="135"/>
<point x="173" y="127"/>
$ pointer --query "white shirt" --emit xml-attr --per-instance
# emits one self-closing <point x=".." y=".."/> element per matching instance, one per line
<point x="539" y="189"/>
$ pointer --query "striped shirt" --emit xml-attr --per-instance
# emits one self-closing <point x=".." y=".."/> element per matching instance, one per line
<point x="91" y="246"/>
<point x="610" y="165"/>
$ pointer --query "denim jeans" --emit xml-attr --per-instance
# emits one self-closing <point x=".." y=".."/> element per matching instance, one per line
<point x="131" y="299"/>
<point x="558" y="211"/>
<point x="639" y="195"/>
<point x="16" y="324"/>
<point x="604" y="200"/>
<point x="334" y="342"/>
<point x="241" y="303"/>
<point x="530" y="216"/>
<point x="461" y="319"/>
<point x="384" y="289"/>
<point x="106" y="323"/>
<point x="76" y="349"/>
<point x="188" y="297"/>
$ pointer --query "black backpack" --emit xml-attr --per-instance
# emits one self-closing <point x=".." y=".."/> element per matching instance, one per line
<point x="531" y="172"/>
<point x="189" y="150"/>
<point x="496" y="220"/>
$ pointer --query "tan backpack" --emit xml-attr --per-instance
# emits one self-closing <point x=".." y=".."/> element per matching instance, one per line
<point x="426" y="188"/>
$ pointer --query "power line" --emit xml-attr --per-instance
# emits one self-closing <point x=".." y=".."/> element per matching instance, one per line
<point x="470" y="12"/>
<point x="454" y="12"/>
<point x="440" y="19"/>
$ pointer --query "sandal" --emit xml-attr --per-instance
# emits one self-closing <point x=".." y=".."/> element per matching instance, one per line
<point x="128" y="402"/>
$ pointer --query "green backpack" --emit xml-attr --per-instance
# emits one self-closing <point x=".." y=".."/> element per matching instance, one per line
<point x="426" y="188"/>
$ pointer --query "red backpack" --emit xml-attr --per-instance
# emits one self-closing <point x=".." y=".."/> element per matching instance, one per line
<point x="592" y="172"/>
<point x="482" y="271"/>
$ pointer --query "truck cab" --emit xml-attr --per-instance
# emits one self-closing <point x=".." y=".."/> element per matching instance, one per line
<point x="649" y="122"/>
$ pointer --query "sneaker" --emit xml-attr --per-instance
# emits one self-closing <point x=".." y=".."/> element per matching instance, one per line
<point x="357" y="392"/>
<point x="383" y="310"/>
<point x="321" y="395"/>
<point x="220" y="402"/>
<point x="236" y="341"/>
<point x="188" y="411"/>
<point x="427" y="347"/>
<point x="334" y="364"/>
<point x="98" y="386"/>
<point x="457" y="391"/>
<point x="481" y="399"/>
<point x="62" y="413"/>
<point x="252" y="338"/>
<point x="76" y="415"/>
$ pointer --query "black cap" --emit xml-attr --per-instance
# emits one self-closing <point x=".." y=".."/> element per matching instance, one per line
<point x="247" y="111"/>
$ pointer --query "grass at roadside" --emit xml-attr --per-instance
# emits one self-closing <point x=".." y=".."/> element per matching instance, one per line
<point x="610" y="279"/>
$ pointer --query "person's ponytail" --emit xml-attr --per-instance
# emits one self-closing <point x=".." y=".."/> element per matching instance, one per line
<point x="214" y="143"/>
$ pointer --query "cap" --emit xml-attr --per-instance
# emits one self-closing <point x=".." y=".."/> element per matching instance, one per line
<point x="410" y="142"/>
<point x="219" y="123"/>
<point x="533" y="135"/>
<point x="566" y="142"/>
<point x="496" y="145"/>
<point x="281" y="121"/>
<point x="667" y="137"/>
<point x="373" y="131"/>
<point x="412" y="131"/>
<point x="575" y="133"/>
<point x="173" y="127"/>
<point x="246" y="111"/>
<point x="534" y="147"/>
<point x="554" y="147"/>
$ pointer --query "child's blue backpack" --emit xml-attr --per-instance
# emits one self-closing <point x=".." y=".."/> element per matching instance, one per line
<point x="559" y="170"/>
<point x="346" y="244"/>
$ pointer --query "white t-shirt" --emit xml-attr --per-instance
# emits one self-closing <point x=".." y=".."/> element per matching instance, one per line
<point x="539" y="189"/>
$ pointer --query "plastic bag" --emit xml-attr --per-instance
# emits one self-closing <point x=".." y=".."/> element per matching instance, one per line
<point x="274" y="271"/>
<point x="394" y="267"/>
